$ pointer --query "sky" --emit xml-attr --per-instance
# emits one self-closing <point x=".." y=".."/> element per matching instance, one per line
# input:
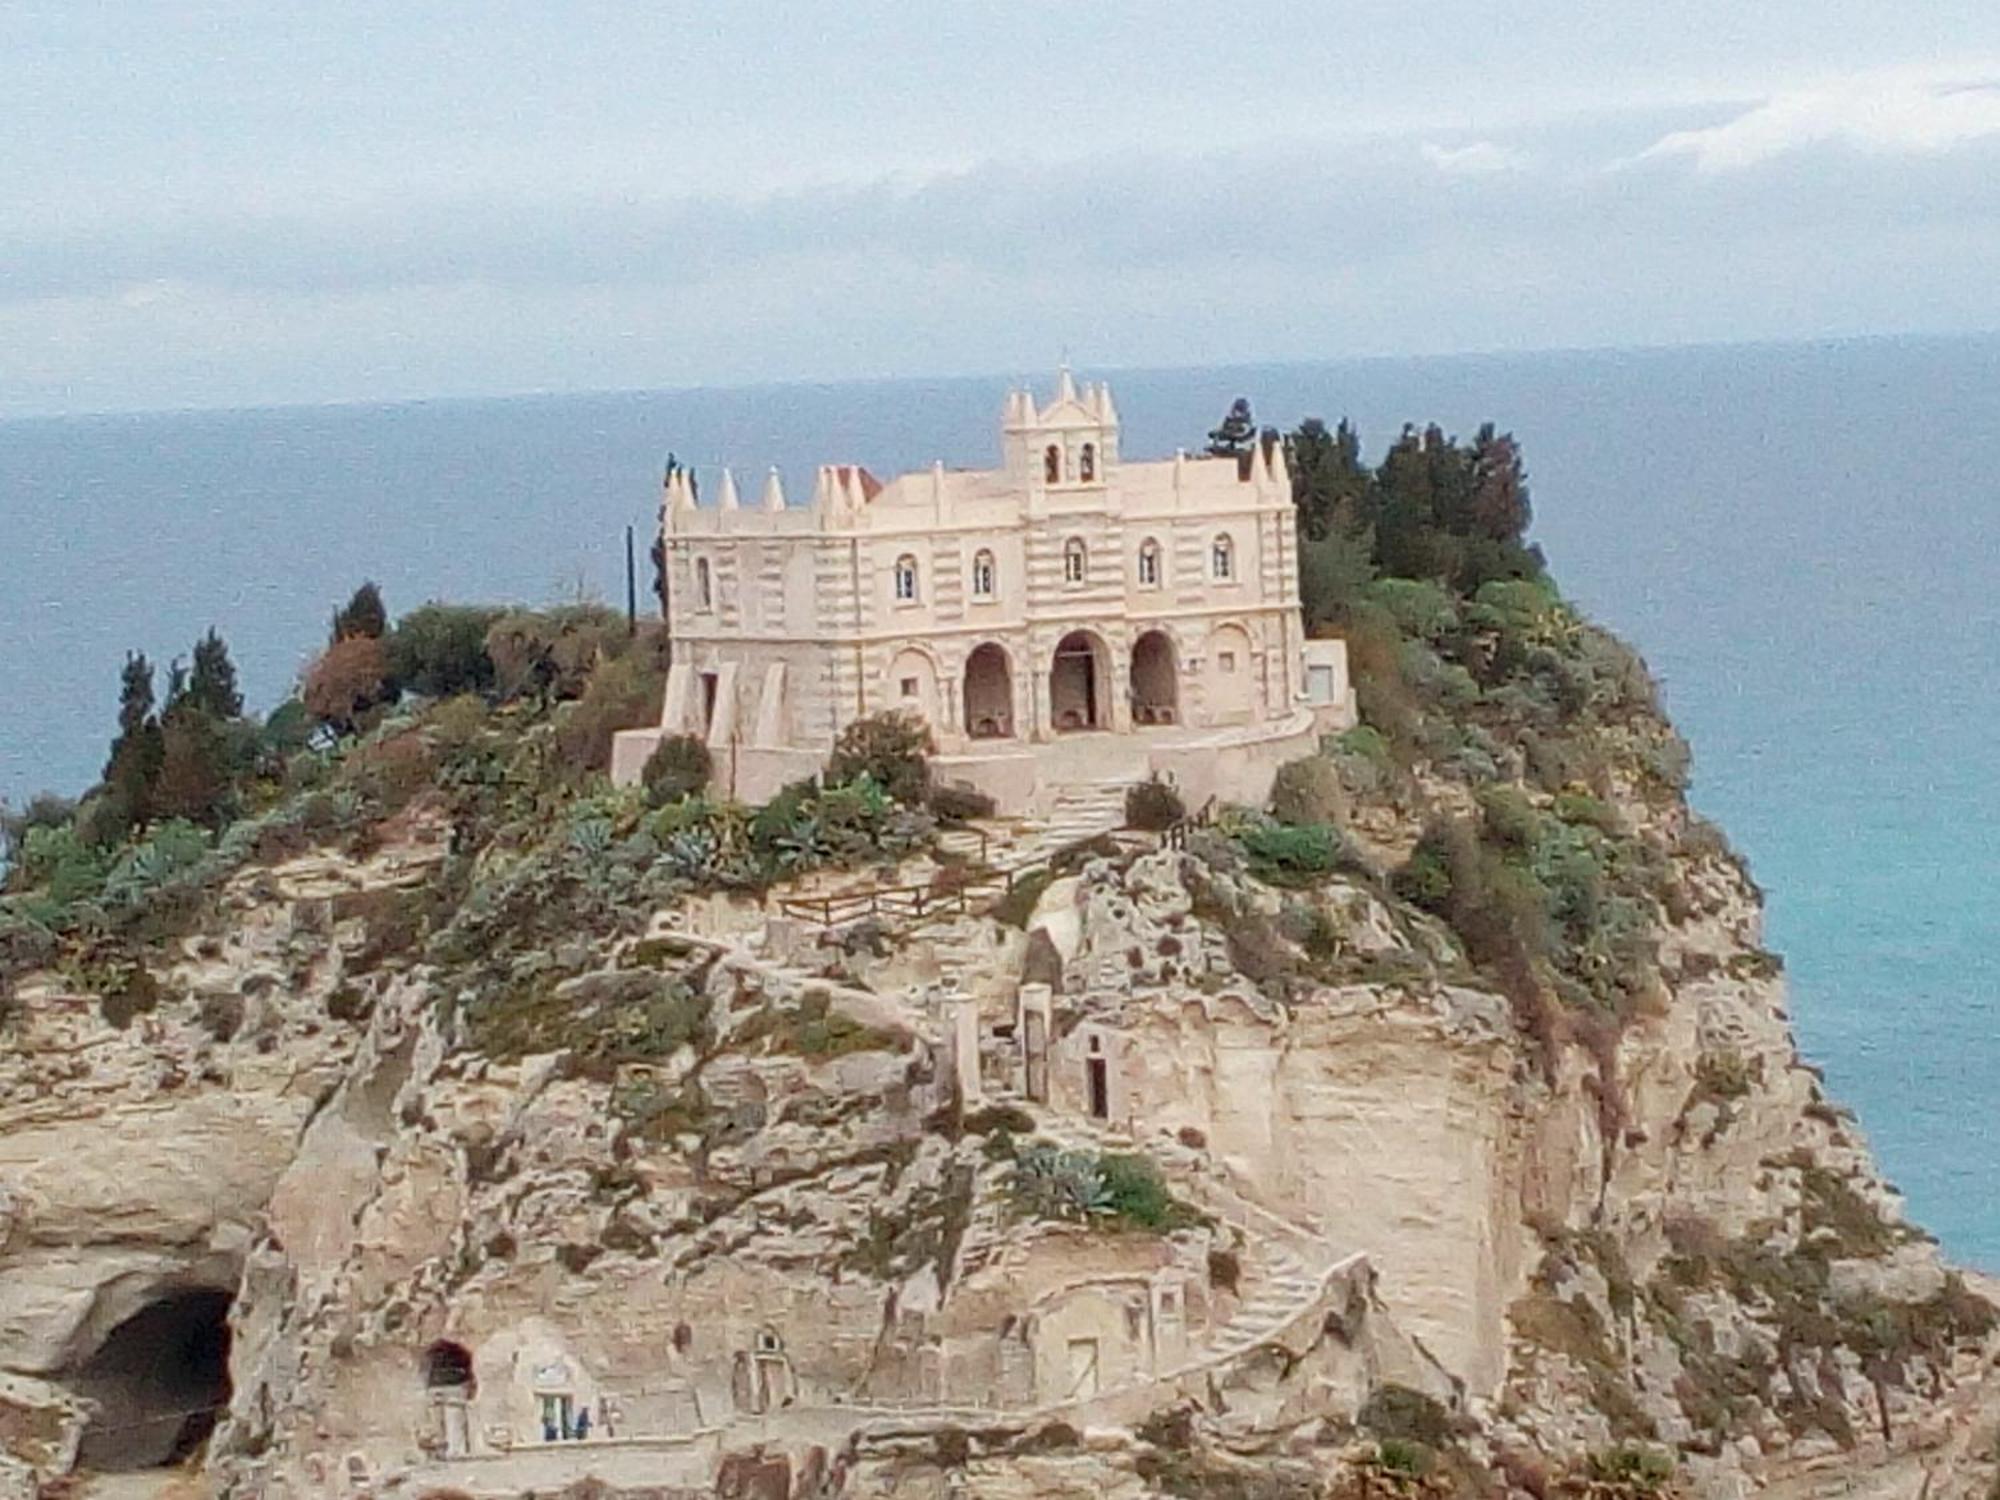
<point x="247" y="204"/>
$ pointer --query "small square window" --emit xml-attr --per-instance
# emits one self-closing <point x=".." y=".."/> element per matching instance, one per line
<point x="909" y="687"/>
<point x="1226" y="660"/>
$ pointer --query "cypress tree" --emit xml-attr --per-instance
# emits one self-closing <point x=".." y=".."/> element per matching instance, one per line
<point x="212" y="684"/>
<point x="133" y="768"/>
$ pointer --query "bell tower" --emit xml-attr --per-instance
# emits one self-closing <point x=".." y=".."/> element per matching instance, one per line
<point x="1070" y="443"/>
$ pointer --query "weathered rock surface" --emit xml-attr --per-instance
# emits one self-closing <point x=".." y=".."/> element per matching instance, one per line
<point x="750" y="1220"/>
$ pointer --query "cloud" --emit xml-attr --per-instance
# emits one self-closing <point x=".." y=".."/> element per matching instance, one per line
<point x="1477" y="159"/>
<point x="1394" y="242"/>
<point x="1892" y="114"/>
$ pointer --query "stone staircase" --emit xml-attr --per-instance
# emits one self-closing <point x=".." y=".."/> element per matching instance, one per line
<point x="1078" y="812"/>
<point x="1285" y="1263"/>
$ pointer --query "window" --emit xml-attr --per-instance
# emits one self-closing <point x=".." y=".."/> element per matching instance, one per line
<point x="704" y="585"/>
<point x="1052" y="464"/>
<point x="1149" y="564"/>
<point x="1089" y="470"/>
<point x="906" y="579"/>
<point x="1226" y="660"/>
<point x="1222" y="559"/>
<point x="982" y="575"/>
<point x="909" y="687"/>
<point x="1075" y="560"/>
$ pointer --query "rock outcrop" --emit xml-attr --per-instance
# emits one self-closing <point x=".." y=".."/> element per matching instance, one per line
<point x="1215" y="1180"/>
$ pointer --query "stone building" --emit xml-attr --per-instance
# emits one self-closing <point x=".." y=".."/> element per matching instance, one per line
<point x="1069" y="617"/>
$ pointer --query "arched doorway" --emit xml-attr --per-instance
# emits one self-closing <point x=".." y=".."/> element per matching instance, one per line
<point x="448" y="1377"/>
<point x="1156" y="697"/>
<point x="447" y="1366"/>
<point x="989" y="693"/>
<point x="1077" y="696"/>
<point x="160" y="1381"/>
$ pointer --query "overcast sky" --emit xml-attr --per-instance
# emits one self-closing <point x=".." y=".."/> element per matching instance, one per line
<point x="222" y="204"/>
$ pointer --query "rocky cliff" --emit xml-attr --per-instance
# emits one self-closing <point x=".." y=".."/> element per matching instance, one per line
<point x="1439" y="1133"/>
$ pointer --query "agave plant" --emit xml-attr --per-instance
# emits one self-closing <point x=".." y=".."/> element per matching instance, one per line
<point x="1052" y="1183"/>
<point x="591" y="837"/>
<point x="806" y="843"/>
<point x="690" y="853"/>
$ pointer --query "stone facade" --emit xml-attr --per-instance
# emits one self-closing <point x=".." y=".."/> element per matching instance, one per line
<point x="1140" y="617"/>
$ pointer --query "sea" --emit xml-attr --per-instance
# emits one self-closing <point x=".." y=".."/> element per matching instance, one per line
<point x="1803" y="540"/>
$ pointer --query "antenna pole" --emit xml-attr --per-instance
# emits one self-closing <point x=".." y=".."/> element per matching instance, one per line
<point x="631" y="588"/>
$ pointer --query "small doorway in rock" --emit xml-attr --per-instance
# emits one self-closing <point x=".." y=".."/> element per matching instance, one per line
<point x="1097" y="1074"/>
<point x="708" y="690"/>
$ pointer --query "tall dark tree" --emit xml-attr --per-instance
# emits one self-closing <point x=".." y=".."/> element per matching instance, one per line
<point x="212" y="684"/>
<point x="135" y="697"/>
<point x="1330" y="483"/>
<point x="1498" y="507"/>
<point x="1331" y="489"/>
<point x="194" y="779"/>
<point x="1237" y="435"/>
<point x="133" y="768"/>
<point x="659" y="547"/>
<point x="363" y="616"/>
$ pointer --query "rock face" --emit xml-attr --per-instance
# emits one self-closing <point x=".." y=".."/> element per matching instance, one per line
<point x="1237" y="1185"/>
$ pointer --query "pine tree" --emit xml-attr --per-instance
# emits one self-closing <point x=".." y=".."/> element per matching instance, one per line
<point x="212" y="685"/>
<point x="364" y="615"/>
<point x="1233" y="439"/>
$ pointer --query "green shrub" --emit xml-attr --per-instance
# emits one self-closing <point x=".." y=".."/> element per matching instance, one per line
<point x="1645" y="1471"/>
<point x="1136" y="1194"/>
<point x="624" y="692"/>
<point x="1308" y="790"/>
<point x="1281" y="854"/>
<point x="1421" y="610"/>
<point x="44" y="810"/>
<point x="440" y="649"/>
<point x="891" y="749"/>
<point x="679" y="766"/>
<point x="1510" y="820"/>
<point x="1153" y="805"/>
<point x="1400" y="1456"/>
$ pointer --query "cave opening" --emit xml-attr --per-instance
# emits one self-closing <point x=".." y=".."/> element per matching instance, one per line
<point x="160" y="1380"/>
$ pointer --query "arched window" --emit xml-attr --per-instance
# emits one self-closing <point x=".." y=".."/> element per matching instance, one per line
<point x="1075" y="560"/>
<point x="704" y="585"/>
<point x="1149" y="564"/>
<point x="983" y="574"/>
<point x="1052" y="464"/>
<point x="1088" y="471"/>
<point x="1222" y="558"/>
<point x="906" y="579"/>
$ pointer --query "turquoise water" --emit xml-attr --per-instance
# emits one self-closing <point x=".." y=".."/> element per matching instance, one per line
<point x="1800" y="538"/>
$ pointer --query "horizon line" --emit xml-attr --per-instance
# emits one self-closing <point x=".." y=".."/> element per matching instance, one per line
<point x="363" y="403"/>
